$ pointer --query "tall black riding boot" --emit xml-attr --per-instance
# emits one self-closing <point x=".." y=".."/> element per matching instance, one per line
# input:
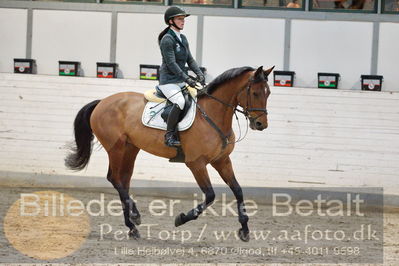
<point x="171" y="138"/>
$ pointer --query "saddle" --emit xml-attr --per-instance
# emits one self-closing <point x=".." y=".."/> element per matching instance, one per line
<point x="156" y="95"/>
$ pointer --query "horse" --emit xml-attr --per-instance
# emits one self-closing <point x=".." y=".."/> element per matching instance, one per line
<point x="116" y="123"/>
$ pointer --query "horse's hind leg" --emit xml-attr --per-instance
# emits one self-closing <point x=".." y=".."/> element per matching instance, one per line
<point x="121" y="163"/>
<point x="201" y="176"/>
<point x="225" y="170"/>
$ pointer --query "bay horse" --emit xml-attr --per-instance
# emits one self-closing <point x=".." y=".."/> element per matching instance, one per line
<point x="116" y="122"/>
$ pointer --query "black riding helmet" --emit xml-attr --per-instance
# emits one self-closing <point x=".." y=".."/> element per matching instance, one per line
<point x="174" y="11"/>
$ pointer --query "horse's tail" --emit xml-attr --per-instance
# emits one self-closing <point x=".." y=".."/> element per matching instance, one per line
<point x="81" y="149"/>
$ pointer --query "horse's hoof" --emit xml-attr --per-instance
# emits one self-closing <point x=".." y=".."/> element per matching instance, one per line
<point x="134" y="233"/>
<point x="244" y="236"/>
<point x="135" y="219"/>
<point x="179" y="219"/>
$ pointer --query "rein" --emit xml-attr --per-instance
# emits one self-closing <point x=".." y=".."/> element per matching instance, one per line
<point x="225" y="138"/>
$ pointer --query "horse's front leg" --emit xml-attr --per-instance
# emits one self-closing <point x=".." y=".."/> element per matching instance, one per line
<point x="201" y="176"/>
<point x="225" y="170"/>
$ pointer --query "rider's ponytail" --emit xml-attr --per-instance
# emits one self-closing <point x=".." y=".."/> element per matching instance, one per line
<point x="162" y="34"/>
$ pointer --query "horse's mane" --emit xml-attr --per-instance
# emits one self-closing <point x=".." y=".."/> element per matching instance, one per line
<point x="226" y="76"/>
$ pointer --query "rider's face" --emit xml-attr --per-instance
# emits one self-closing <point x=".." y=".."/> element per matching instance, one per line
<point x="179" y="21"/>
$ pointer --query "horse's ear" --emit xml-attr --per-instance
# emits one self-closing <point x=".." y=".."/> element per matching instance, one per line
<point x="268" y="71"/>
<point x="259" y="72"/>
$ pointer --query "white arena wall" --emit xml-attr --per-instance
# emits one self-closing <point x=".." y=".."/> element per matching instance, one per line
<point x="230" y="42"/>
<point x="388" y="62"/>
<point x="322" y="138"/>
<point x="223" y="42"/>
<point x="70" y="36"/>
<point x="331" y="46"/>
<point x="13" y="24"/>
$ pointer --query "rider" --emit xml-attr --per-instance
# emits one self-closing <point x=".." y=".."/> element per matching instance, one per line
<point x="173" y="73"/>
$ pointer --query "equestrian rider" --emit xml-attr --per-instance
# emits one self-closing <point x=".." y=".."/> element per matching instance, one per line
<point x="173" y="73"/>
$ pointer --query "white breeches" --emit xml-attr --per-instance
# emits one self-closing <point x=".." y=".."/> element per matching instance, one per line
<point x="173" y="93"/>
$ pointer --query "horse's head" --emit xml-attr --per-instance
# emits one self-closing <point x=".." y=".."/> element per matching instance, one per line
<point x="253" y="99"/>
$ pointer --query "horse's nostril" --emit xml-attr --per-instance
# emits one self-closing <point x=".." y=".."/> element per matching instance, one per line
<point x="258" y="124"/>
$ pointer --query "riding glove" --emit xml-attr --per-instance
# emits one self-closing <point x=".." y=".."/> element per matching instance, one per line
<point x="191" y="82"/>
<point x="201" y="79"/>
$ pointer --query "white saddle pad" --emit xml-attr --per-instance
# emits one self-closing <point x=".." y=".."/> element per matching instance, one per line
<point x="152" y="116"/>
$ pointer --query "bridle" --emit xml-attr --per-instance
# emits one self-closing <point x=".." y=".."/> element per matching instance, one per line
<point x="246" y="111"/>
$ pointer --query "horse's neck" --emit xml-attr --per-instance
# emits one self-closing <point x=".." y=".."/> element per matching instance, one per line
<point x="220" y="113"/>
